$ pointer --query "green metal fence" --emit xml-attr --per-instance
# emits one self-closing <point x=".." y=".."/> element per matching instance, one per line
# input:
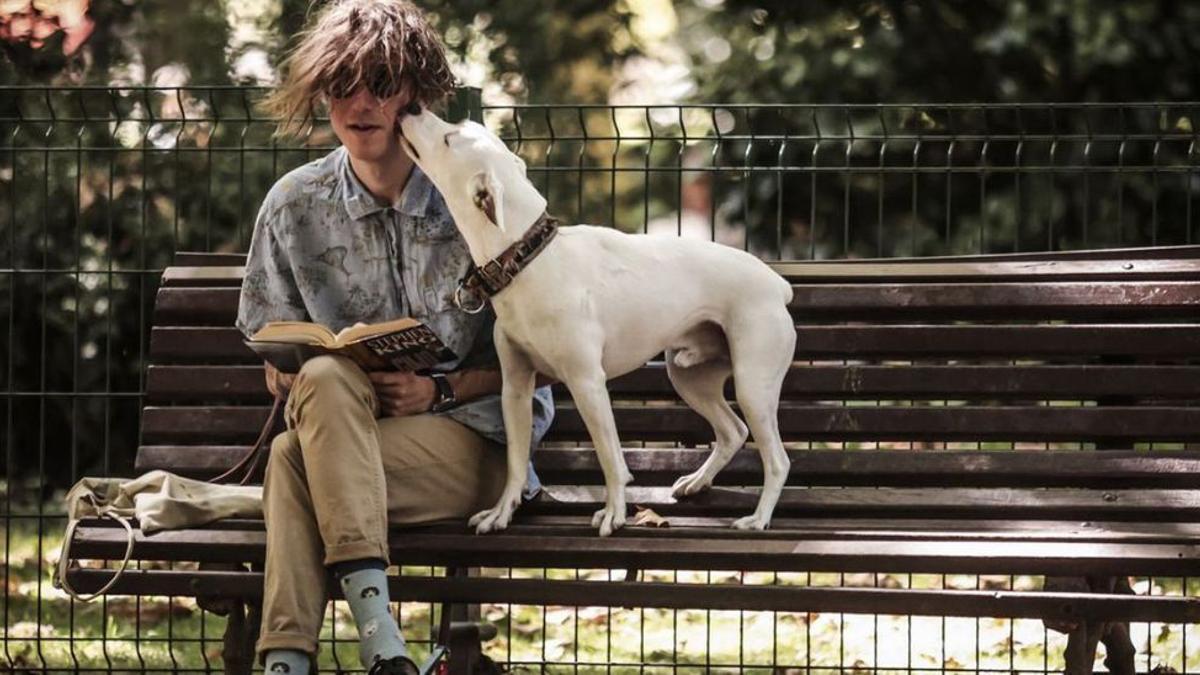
<point x="100" y="186"/>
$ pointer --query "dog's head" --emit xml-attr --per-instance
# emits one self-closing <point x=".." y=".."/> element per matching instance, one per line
<point x="480" y="179"/>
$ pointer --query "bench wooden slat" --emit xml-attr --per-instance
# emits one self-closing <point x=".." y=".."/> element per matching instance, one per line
<point x="214" y="345"/>
<point x="805" y="555"/>
<point x="653" y="549"/>
<point x="693" y="527"/>
<point x="200" y="345"/>
<point x="858" y="529"/>
<point x="991" y="272"/>
<point x="204" y="258"/>
<point x="245" y="383"/>
<point x="1052" y="300"/>
<point x="185" y="305"/>
<point x="1051" y="503"/>
<point x="1183" y="252"/>
<point x="997" y="341"/>
<point x="894" y="468"/>
<point x="857" y="271"/>
<point x="234" y="424"/>
<point x="204" y="276"/>
<point x="194" y="461"/>
<point x="781" y="598"/>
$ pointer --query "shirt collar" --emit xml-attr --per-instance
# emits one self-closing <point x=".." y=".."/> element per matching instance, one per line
<point x="360" y="203"/>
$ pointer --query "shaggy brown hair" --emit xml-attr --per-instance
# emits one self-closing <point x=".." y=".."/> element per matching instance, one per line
<point x="385" y="45"/>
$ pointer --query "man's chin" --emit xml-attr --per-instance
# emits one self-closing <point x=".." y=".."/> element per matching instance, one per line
<point x="372" y="152"/>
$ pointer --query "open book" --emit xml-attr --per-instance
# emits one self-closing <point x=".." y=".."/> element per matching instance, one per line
<point x="401" y="344"/>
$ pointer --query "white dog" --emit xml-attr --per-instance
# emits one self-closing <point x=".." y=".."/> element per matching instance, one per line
<point x="598" y="303"/>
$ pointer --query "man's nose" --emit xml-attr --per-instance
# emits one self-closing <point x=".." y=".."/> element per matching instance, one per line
<point x="363" y="100"/>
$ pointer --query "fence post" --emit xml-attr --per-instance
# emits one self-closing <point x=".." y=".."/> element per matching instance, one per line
<point x="467" y="104"/>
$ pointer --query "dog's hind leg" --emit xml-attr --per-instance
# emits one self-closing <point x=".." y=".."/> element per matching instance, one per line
<point x="516" y="400"/>
<point x="702" y="387"/>
<point x="762" y="352"/>
<point x="591" y="399"/>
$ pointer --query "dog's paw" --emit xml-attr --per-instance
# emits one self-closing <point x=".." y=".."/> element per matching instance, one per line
<point x="494" y="519"/>
<point x="752" y="522"/>
<point x="691" y="484"/>
<point x="609" y="520"/>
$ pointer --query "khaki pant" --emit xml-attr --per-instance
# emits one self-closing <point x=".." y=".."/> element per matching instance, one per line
<point x="338" y="477"/>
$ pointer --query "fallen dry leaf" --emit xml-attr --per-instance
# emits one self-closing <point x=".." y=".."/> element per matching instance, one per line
<point x="648" y="518"/>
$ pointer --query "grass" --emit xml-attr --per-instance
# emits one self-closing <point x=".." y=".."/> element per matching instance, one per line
<point x="45" y="630"/>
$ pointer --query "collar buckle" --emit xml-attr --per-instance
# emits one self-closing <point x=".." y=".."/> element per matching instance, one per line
<point x="458" y="299"/>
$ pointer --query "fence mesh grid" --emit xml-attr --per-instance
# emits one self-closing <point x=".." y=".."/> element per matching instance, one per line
<point x="101" y="186"/>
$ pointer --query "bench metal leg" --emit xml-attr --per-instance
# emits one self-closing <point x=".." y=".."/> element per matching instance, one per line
<point x="1081" y="648"/>
<point x="243" y="617"/>
<point x="238" y="649"/>
<point x="465" y="634"/>
<point x="1082" y="644"/>
<point x="1083" y="641"/>
<point x="1119" y="651"/>
<point x="253" y="626"/>
<point x="465" y="649"/>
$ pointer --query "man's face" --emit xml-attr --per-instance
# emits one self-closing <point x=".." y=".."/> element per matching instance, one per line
<point x="364" y="123"/>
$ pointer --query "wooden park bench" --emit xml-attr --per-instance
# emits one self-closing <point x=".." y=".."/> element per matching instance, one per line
<point x="1007" y="403"/>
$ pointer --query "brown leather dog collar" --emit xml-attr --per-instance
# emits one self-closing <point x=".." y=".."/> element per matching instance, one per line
<point x="496" y="274"/>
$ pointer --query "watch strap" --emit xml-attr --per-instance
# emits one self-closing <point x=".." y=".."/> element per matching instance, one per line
<point x="445" y="393"/>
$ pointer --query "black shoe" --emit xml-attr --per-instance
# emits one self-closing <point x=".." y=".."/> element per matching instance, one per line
<point x="397" y="665"/>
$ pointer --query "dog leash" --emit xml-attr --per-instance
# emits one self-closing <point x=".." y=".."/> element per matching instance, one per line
<point x="250" y="462"/>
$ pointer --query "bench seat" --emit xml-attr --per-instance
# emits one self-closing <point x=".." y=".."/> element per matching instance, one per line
<point x="1032" y="414"/>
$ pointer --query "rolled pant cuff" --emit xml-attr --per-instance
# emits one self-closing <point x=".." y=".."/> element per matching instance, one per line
<point x="356" y="550"/>
<point x="283" y="640"/>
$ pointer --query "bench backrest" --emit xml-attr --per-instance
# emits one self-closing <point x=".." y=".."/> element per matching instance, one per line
<point x="977" y="353"/>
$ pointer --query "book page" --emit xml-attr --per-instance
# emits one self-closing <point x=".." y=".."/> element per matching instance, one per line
<point x="359" y="332"/>
<point x="295" y="332"/>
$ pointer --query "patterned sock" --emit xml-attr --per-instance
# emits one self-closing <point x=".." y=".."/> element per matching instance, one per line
<point x="288" y="661"/>
<point x="366" y="591"/>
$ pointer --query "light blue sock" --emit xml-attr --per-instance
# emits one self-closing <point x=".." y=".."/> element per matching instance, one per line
<point x="367" y="594"/>
<point x="286" y="661"/>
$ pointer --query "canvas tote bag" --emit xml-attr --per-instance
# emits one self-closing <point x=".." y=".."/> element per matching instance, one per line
<point x="159" y="500"/>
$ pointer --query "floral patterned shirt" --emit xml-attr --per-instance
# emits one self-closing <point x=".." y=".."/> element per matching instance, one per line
<point x="324" y="249"/>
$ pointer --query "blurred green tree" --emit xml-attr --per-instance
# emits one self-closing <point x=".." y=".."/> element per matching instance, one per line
<point x="95" y="180"/>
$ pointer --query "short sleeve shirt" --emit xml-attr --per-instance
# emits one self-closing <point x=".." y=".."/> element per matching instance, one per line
<point x="324" y="249"/>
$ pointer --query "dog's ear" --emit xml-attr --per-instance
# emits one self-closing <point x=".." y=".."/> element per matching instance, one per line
<point x="520" y="163"/>
<point x="487" y="195"/>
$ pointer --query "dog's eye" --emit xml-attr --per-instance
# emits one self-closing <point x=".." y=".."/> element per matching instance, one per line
<point x="446" y="138"/>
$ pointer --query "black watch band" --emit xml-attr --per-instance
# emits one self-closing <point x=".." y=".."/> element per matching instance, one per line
<point x="445" y="393"/>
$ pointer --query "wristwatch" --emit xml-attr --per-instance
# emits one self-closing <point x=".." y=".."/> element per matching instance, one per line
<point x="445" y="393"/>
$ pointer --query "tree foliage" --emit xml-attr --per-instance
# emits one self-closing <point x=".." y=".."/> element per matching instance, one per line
<point x="93" y="181"/>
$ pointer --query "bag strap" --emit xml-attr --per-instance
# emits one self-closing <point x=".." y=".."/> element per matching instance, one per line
<point x="64" y="556"/>
<point x="249" y="463"/>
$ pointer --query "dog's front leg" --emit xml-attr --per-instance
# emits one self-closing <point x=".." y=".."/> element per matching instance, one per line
<point x="591" y="398"/>
<point x="516" y="400"/>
